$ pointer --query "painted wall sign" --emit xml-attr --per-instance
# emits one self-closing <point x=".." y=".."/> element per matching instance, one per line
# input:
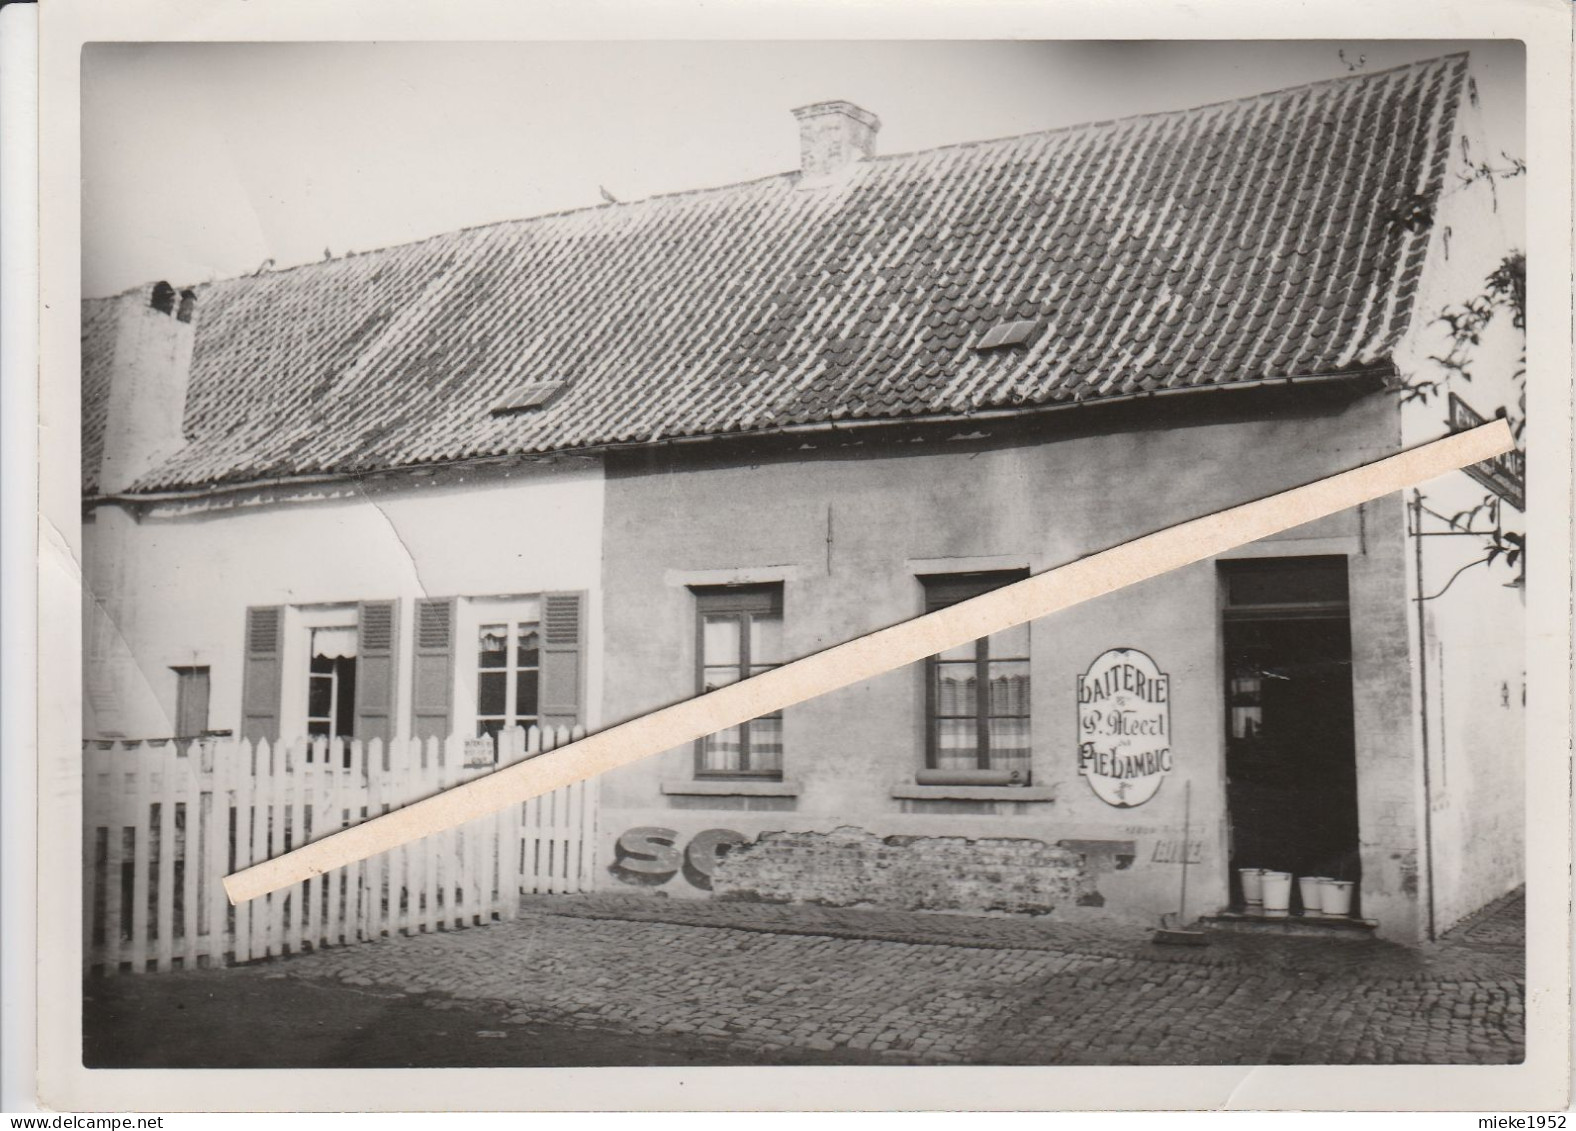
<point x="1124" y="727"/>
<point x="1504" y="475"/>
<point x="1175" y="852"/>
<point x="653" y="854"/>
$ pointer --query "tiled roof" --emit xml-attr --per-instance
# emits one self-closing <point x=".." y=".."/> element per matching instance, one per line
<point x="98" y="350"/>
<point x="1275" y="236"/>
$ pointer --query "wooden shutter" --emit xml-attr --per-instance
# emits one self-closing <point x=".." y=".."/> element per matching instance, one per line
<point x="261" y="674"/>
<point x="563" y="658"/>
<point x="377" y="630"/>
<point x="432" y="693"/>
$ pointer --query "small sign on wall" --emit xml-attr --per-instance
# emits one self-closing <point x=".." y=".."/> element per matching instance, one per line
<point x="1124" y="727"/>
<point x="479" y="752"/>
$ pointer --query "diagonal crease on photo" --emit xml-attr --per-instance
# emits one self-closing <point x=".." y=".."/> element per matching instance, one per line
<point x="878" y="652"/>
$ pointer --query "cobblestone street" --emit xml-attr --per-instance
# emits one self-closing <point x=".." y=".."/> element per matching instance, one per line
<point x="778" y="982"/>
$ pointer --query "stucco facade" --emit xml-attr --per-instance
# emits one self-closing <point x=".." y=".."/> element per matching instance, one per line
<point x="855" y="391"/>
<point x="848" y="532"/>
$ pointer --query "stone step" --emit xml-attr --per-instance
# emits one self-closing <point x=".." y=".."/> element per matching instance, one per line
<point x="1313" y="926"/>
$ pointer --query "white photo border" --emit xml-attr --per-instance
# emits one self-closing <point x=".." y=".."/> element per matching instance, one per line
<point x="1539" y="1083"/>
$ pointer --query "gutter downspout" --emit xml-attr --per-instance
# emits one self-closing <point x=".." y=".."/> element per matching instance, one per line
<point x="1416" y="508"/>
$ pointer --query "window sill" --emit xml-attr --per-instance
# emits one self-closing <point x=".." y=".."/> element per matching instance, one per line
<point x="730" y="787"/>
<point x="966" y="777"/>
<point x="908" y="792"/>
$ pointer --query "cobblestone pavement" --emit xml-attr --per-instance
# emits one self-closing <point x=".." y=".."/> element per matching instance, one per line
<point x="901" y="987"/>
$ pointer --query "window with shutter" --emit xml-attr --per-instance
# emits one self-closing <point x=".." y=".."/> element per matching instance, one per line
<point x="520" y="662"/>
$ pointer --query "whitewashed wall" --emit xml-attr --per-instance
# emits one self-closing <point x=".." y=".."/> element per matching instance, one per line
<point x="171" y="588"/>
<point x="1470" y="682"/>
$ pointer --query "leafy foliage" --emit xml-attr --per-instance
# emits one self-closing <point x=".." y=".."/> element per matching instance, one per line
<point x="1503" y="295"/>
<point x="1504" y="290"/>
<point x="1488" y="173"/>
<point x="1508" y="544"/>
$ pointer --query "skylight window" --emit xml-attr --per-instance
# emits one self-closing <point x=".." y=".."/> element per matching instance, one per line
<point x="528" y="398"/>
<point x="1005" y="334"/>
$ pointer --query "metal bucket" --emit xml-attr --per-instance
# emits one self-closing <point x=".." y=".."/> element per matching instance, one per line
<point x="1312" y="888"/>
<point x="1277" y="895"/>
<point x="1336" y="897"/>
<point x="1252" y="885"/>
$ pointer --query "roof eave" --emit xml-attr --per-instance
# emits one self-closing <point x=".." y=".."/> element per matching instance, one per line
<point x="1378" y="372"/>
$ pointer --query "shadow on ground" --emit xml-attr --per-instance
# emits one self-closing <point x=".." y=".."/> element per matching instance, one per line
<point x="239" y="1018"/>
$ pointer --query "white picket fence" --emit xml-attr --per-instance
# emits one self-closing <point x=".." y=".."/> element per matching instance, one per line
<point x="164" y="821"/>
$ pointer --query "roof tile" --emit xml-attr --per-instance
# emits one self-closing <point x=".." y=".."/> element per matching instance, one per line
<point x="1177" y="250"/>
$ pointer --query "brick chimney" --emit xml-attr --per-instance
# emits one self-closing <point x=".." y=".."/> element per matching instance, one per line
<point x="832" y="137"/>
<point x="144" y="418"/>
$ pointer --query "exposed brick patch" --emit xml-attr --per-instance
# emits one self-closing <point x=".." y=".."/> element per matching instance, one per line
<point x="852" y="867"/>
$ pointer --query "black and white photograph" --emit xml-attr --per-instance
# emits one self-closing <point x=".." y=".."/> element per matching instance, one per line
<point x="443" y="403"/>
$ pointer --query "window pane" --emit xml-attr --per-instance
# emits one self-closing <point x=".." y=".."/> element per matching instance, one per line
<point x="720" y="639"/>
<point x="320" y="696"/>
<point x="955" y="685"/>
<point x="490" y="692"/>
<point x="1009" y="745"/>
<point x="317" y="726"/>
<point x="1286" y="581"/>
<point x="1009" y="687"/>
<point x="957" y="744"/>
<point x="733" y="624"/>
<point x="967" y="651"/>
<point x="525" y="687"/>
<point x="719" y="753"/>
<point x="766" y="745"/>
<point x="345" y="697"/>
<point x="528" y="646"/>
<point x="942" y="590"/>
<point x="491" y="646"/>
<point x="489" y="728"/>
<point x="766" y="640"/>
<point x="1011" y="643"/>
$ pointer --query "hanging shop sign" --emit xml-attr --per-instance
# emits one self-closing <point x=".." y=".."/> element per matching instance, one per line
<point x="1124" y="727"/>
<point x="1504" y="475"/>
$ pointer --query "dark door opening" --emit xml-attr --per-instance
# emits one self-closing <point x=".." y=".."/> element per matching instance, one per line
<point x="1291" y="763"/>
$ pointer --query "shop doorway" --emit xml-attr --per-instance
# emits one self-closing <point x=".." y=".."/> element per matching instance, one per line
<point x="1291" y="762"/>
